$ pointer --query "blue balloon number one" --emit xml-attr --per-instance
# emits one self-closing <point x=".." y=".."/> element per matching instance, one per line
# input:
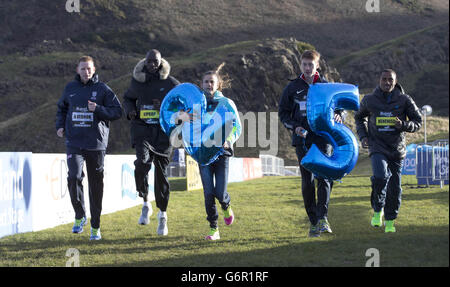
<point x="322" y="100"/>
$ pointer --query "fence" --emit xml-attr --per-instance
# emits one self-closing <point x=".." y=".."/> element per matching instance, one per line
<point x="271" y="165"/>
<point x="292" y="170"/>
<point x="432" y="163"/>
<point x="440" y="161"/>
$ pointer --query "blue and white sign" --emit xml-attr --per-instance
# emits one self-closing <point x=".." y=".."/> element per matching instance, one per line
<point x="409" y="163"/>
<point x="15" y="193"/>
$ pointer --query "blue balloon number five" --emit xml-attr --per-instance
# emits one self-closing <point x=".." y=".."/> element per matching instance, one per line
<point x="322" y="100"/>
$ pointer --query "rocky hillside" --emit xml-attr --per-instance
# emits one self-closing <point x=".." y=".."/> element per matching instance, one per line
<point x="421" y="59"/>
<point x="260" y="42"/>
<point x="259" y="70"/>
<point x="335" y="27"/>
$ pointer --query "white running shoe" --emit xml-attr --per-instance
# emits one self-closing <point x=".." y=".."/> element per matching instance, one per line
<point x="147" y="211"/>
<point x="162" y="224"/>
<point x="213" y="234"/>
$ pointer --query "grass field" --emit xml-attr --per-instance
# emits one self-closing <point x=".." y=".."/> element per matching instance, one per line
<point x="270" y="230"/>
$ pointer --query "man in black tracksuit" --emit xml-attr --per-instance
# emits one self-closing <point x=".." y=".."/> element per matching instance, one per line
<point x="84" y="113"/>
<point x="382" y="120"/>
<point x="149" y="85"/>
<point x="292" y="113"/>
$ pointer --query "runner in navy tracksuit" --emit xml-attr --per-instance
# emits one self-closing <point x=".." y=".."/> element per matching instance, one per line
<point x="292" y="113"/>
<point x="84" y="112"/>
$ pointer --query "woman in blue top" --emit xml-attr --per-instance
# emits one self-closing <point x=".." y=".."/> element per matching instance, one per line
<point x="215" y="175"/>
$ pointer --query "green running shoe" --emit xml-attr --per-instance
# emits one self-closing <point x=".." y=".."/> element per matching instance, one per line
<point x="324" y="225"/>
<point x="228" y="216"/>
<point x="78" y="225"/>
<point x="377" y="219"/>
<point x="95" y="234"/>
<point x="314" y="230"/>
<point x="389" y="226"/>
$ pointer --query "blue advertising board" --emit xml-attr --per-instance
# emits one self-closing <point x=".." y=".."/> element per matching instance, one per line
<point x="15" y="192"/>
<point x="409" y="163"/>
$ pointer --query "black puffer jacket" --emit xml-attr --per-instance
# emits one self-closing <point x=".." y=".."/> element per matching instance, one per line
<point x="376" y="117"/>
<point x="140" y="96"/>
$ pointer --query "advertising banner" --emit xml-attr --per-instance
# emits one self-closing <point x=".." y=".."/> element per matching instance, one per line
<point x="409" y="163"/>
<point x="236" y="170"/>
<point x="15" y="192"/>
<point x="252" y="168"/>
<point x="193" y="179"/>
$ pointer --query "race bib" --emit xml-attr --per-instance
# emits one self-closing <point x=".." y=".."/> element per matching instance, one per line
<point x="385" y="121"/>
<point x="82" y="119"/>
<point x="149" y="115"/>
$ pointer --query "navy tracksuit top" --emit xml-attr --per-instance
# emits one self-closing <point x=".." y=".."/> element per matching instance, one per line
<point x="84" y="129"/>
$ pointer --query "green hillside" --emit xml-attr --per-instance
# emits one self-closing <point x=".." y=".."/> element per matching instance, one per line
<point x="40" y="53"/>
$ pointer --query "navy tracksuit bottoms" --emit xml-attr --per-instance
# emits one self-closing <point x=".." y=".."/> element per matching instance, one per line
<point x="94" y="165"/>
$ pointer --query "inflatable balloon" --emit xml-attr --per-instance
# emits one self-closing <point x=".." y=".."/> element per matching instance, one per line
<point x="204" y="137"/>
<point x="182" y="97"/>
<point x="321" y="102"/>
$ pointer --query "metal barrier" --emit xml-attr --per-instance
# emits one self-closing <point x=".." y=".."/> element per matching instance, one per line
<point x="440" y="161"/>
<point x="432" y="163"/>
<point x="175" y="169"/>
<point x="271" y="165"/>
<point x="292" y="170"/>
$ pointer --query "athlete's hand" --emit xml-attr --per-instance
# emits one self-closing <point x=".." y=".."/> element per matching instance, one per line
<point x="365" y="142"/>
<point x="338" y="118"/>
<point x="91" y="106"/>
<point x="299" y="132"/>
<point x="60" y="132"/>
<point x="185" y="116"/>
<point x="132" y="115"/>
<point x="398" y="123"/>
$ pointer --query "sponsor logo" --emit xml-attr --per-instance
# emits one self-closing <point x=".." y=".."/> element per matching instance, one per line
<point x="385" y="121"/>
<point x="386" y="114"/>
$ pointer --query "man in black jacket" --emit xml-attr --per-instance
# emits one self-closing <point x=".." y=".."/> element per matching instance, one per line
<point x="149" y="85"/>
<point x="381" y="122"/>
<point x="292" y="113"/>
<point x="84" y="112"/>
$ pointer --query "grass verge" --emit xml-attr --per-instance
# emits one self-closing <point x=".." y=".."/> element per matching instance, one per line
<point x="270" y="230"/>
